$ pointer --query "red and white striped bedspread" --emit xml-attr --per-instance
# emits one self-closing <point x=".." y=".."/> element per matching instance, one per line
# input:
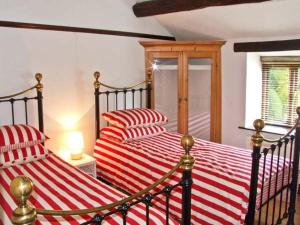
<point x="60" y="186"/>
<point x="221" y="174"/>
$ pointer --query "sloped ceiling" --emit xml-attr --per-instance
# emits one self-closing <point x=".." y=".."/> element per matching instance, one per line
<point x="267" y="19"/>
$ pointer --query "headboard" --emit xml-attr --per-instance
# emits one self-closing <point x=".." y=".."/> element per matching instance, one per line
<point x="124" y="92"/>
<point x="14" y="98"/>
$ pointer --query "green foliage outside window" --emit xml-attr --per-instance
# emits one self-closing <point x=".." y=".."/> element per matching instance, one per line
<point x="282" y="88"/>
<point x="278" y="94"/>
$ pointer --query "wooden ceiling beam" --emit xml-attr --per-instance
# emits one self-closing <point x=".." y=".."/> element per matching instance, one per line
<point x="158" y="7"/>
<point x="38" y="26"/>
<point x="267" y="46"/>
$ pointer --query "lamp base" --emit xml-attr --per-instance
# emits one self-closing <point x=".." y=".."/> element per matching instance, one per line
<point x="76" y="156"/>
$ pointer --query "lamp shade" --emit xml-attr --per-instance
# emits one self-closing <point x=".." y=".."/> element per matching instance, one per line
<point x="75" y="144"/>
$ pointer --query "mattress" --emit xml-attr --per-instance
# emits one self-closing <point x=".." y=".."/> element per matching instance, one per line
<point x="221" y="174"/>
<point x="60" y="186"/>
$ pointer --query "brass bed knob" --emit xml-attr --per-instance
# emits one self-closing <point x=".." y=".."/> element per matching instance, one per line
<point x="21" y="188"/>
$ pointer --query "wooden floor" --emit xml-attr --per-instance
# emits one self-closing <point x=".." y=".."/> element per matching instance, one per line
<point x="297" y="215"/>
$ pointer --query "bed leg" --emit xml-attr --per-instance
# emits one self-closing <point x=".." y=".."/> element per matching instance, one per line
<point x="294" y="183"/>
<point x="187" y="164"/>
<point x="21" y="188"/>
<point x="39" y="89"/>
<point x="149" y="89"/>
<point x="257" y="140"/>
<point x="97" y="107"/>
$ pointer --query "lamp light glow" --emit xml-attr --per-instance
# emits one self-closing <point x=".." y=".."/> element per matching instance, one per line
<point x="75" y="144"/>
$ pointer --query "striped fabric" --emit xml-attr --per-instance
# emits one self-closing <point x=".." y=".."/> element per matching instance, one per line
<point x="23" y="155"/>
<point x="130" y="134"/>
<point x="137" y="117"/>
<point x="60" y="186"/>
<point x="19" y="136"/>
<point x="221" y="174"/>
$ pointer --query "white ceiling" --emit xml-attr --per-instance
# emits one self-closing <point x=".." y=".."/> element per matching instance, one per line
<point x="267" y="19"/>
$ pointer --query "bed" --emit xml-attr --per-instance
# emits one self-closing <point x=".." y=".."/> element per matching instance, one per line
<point x="230" y="185"/>
<point x="38" y="187"/>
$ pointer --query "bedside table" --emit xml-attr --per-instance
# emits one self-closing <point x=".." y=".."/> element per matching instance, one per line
<point x="86" y="163"/>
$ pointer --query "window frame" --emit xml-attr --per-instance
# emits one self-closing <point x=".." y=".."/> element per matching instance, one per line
<point x="293" y="64"/>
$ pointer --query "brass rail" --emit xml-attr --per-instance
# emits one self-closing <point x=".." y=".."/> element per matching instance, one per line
<point x="38" y="77"/>
<point x="97" y="83"/>
<point x="21" y="188"/>
<point x="259" y="125"/>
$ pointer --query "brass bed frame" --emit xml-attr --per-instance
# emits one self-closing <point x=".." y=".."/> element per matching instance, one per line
<point x="14" y="98"/>
<point x="21" y="186"/>
<point x="287" y="146"/>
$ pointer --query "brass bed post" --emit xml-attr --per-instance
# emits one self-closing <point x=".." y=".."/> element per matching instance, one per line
<point x="257" y="140"/>
<point x="39" y="89"/>
<point x="21" y="188"/>
<point x="97" y="107"/>
<point x="187" y="143"/>
<point x="295" y="171"/>
<point x="149" y="88"/>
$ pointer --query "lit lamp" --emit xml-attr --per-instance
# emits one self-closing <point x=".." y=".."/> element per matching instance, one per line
<point x="75" y="144"/>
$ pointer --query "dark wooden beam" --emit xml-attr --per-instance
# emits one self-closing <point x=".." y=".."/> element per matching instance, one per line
<point x="158" y="7"/>
<point x="267" y="46"/>
<point x="82" y="30"/>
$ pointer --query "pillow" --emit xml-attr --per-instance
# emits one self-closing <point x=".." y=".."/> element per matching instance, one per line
<point x="130" y="134"/>
<point x="135" y="118"/>
<point x="19" y="136"/>
<point x="23" y="155"/>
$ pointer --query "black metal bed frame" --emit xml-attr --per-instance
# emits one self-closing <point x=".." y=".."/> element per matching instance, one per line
<point x="290" y="143"/>
<point x="287" y="147"/>
<point x="12" y="99"/>
<point x="116" y="92"/>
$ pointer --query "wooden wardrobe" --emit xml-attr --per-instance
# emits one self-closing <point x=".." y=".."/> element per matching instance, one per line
<point x="186" y="82"/>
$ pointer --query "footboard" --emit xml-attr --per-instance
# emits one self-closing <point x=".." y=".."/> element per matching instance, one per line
<point x="21" y="188"/>
<point x="274" y="175"/>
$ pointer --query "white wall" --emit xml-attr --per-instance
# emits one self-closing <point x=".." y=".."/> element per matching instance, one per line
<point x="68" y="60"/>
<point x="234" y="69"/>
<point x="253" y="81"/>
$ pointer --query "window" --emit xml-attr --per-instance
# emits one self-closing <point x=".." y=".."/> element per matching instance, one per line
<point x="280" y="89"/>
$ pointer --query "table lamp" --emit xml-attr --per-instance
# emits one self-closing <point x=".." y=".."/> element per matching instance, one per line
<point x="75" y="144"/>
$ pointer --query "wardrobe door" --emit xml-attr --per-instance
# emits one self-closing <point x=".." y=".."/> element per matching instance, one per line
<point x="166" y="69"/>
<point x="200" y="72"/>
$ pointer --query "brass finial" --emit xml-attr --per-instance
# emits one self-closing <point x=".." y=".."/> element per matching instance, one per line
<point x="97" y="82"/>
<point x="21" y="188"/>
<point x="257" y="138"/>
<point x="149" y="76"/>
<point x="39" y="77"/>
<point x="187" y="143"/>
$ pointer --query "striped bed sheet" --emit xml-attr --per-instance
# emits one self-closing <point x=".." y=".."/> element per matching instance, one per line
<point x="61" y="186"/>
<point x="221" y="174"/>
